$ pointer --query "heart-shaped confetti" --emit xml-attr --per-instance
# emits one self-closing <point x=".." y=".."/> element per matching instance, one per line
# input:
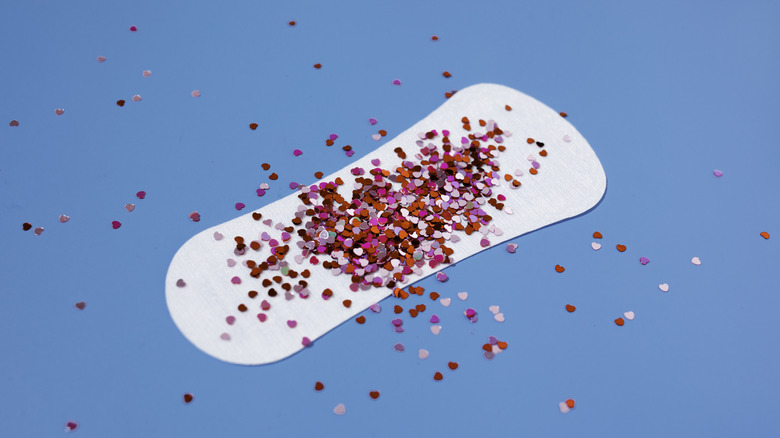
<point x="570" y="308"/>
<point x="423" y="354"/>
<point x="263" y="317"/>
<point x="231" y="263"/>
<point x="38" y="231"/>
<point x="435" y="329"/>
<point x="718" y="173"/>
<point x="696" y="261"/>
<point x="765" y="235"/>
<point x="566" y="138"/>
<point x="14" y="123"/>
<point x="374" y="394"/>
<point x="230" y="320"/>
<point x="619" y="322"/>
<point x="129" y="207"/>
<point x="629" y="315"/>
<point x="70" y="426"/>
<point x="398" y="347"/>
<point x="218" y="235"/>
<point x="141" y="194"/>
<point x="438" y="376"/>
<point x="297" y="152"/>
<point x="434" y="319"/>
<point x="463" y="295"/>
<point x="292" y="323"/>
<point x="484" y="242"/>
<point x="499" y="317"/>
<point x="81" y="305"/>
<point x="224" y="336"/>
<point x="116" y="224"/>
<point x="137" y="98"/>
<point x="597" y="235"/>
<point x="644" y="260"/>
<point x="494" y="309"/>
<point x="445" y="302"/>
<point x="559" y="268"/>
<point x="101" y="59"/>
<point x="664" y="287"/>
<point x="188" y="398"/>
<point x="64" y="218"/>
<point x="620" y="247"/>
<point x="195" y="216"/>
<point x="195" y="93"/>
<point x="596" y="246"/>
<point x="133" y="28"/>
<point x="59" y="111"/>
<point x="442" y="277"/>
<point x="26" y="226"/>
<point x="319" y="386"/>
<point x="180" y="283"/>
<point x="564" y="409"/>
<point x="376" y="137"/>
<point x="372" y="121"/>
<point x="305" y="341"/>
<point x="340" y="409"/>
<point x="396" y="82"/>
<point x="147" y="73"/>
<point x="235" y="280"/>
<point x="452" y="365"/>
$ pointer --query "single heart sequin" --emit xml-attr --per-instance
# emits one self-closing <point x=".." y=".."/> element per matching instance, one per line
<point x="14" y="123"/>
<point x="195" y="216"/>
<point x="434" y="319"/>
<point x="629" y="315"/>
<point x="376" y="137"/>
<point x="218" y="235"/>
<point x="81" y="305"/>
<point x="696" y="261"/>
<point x="445" y="302"/>
<point x="340" y="409"/>
<point x="224" y="337"/>
<point x="644" y="260"/>
<point x="463" y="295"/>
<point x="137" y="98"/>
<point x="235" y="280"/>
<point x="570" y="308"/>
<point x="372" y="121"/>
<point x="129" y="207"/>
<point x="59" y="111"/>
<point x="511" y="248"/>
<point x="230" y="320"/>
<point x="664" y="287"/>
<point x="195" y="93"/>
<point x="423" y="354"/>
<point x="180" y="283"/>
<point x="718" y="173"/>
<point x="64" y="218"/>
<point x="596" y="246"/>
<point x="499" y="317"/>
<point x="70" y="426"/>
<point x="435" y="329"/>
<point x="297" y="152"/>
<point x="398" y="347"/>
<point x="559" y="268"/>
<point x="494" y="309"/>
<point x="147" y="73"/>
<point x="396" y="82"/>
<point x="101" y="59"/>
<point x="292" y="323"/>
<point x="188" y="398"/>
<point x="765" y="235"/>
<point x="116" y="224"/>
<point x="141" y="194"/>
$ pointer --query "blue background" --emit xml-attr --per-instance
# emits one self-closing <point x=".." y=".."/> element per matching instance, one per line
<point x="665" y="92"/>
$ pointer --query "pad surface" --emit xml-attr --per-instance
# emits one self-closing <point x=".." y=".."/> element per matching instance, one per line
<point x="203" y="290"/>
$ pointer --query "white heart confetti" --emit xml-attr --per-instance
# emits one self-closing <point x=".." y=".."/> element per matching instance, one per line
<point x="137" y="98"/>
<point x="629" y="315"/>
<point x="562" y="406"/>
<point x="195" y="93"/>
<point x="445" y="302"/>
<point x="463" y="295"/>
<point x="499" y="317"/>
<point x="435" y="329"/>
<point x="696" y="261"/>
<point x="423" y="354"/>
<point x="566" y="138"/>
<point x="596" y="246"/>
<point x="376" y="137"/>
<point x="494" y="309"/>
<point x="340" y="409"/>
<point x="664" y="287"/>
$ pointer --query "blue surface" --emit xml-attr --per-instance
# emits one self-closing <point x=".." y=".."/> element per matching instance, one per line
<point x="665" y="92"/>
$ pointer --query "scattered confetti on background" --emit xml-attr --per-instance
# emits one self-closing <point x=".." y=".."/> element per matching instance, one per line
<point x="78" y="143"/>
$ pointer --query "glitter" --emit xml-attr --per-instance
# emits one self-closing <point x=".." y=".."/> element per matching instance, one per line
<point x="664" y="287"/>
<point x="644" y="260"/>
<point x="116" y="224"/>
